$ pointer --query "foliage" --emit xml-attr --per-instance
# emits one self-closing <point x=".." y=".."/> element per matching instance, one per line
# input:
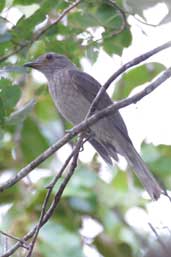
<point x="29" y="123"/>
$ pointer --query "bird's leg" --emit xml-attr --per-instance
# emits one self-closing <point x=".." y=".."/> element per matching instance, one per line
<point x="87" y="135"/>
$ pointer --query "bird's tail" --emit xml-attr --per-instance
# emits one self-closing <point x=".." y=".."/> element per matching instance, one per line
<point x="142" y="172"/>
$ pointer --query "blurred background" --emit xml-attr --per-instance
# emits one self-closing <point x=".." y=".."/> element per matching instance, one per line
<point x="104" y="211"/>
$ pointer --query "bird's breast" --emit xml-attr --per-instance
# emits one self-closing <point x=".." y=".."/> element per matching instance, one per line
<point x="69" y="102"/>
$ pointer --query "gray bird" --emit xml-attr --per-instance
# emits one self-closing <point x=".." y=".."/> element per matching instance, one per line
<point x="73" y="92"/>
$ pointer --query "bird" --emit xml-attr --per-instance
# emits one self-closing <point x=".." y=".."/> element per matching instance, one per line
<point x="72" y="92"/>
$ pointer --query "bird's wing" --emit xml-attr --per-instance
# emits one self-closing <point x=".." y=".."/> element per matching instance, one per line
<point x="89" y="88"/>
<point x="101" y="149"/>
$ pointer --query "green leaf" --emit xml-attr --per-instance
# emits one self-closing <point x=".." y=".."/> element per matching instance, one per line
<point x="56" y="240"/>
<point x="158" y="158"/>
<point x="109" y="248"/>
<point x="120" y="181"/>
<point x="26" y="26"/>
<point x="116" y="44"/>
<point x="5" y="47"/>
<point x="2" y="112"/>
<point x="111" y="223"/>
<point x="9" y="95"/>
<point x="32" y="140"/>
<point x="43" y="106"/>
<point x="78" y="185"/>
<point x="106" y="193"/>
<point x="137" y="76"/>
<point x="92" y="53"/>
<point x="2" y="4"/>
<point x="108" y="17"/>
<point x="87" y="205"/>
<point x="38" y="48"/>
<point x="82" y="21"/>
<point x="25" y="2"/>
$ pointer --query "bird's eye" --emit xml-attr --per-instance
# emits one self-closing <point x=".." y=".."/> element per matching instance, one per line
<point x="49" y="56"/>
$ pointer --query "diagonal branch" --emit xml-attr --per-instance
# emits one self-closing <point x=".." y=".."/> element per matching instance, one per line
<point x="162" y="244"/>
<point x="24" y="243"/>
<point x="67" y="10"/>
<point x="46" y="215"/>
<point x="124" y="68"/>
<point x="83" y="126"/>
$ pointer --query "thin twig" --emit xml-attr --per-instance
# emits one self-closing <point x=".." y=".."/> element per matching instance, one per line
<point x="124" y="68"/>
<point x="50" y="188"/>
<point x="64" y="183"/>
<point x="84" y="125"/>
<point x="162" y="244"/>
<point x="67" y="10"/>
<point x="55" y="202"/>
<point x="24" y="243"/>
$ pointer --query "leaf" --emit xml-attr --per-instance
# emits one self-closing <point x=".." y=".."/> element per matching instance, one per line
<point x="38" y="48"/>
<point x="26" y="26"/>
<point x="92" y="53"/>
<point x="32" y="140"/>
<point x="2" y="112"/>
<point x="116" y="44"/>
<point x="4" y="47"/>
<point x="82" y="21"/>
<point x="107" y="16"/>
<point x="43" y="106"/>
<point x="111" y="223"/>
<point x="158" y="158"/>
<point x="25" y="2"/>
<point x="120" y="181"/>
<point x="79" y="186"/>
<point x="2" y="4"/>
<point x="9" y="95"/>
<point x="106" y="193"/>
<point x="86" y="206"/>
<point x="109" y="248"/>
<point x="137" y="76"/>
<point x="56" y="240"/>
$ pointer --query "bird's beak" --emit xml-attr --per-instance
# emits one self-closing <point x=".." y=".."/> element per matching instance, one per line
<point x="34" y="65"/>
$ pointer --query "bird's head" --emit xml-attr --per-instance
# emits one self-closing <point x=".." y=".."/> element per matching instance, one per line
<point x="49" y="63"/>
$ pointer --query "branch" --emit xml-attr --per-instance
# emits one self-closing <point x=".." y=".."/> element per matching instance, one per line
<point x="58" y="195"/>
<point x="50" y="187"/>
<point x="24" y="243"/>
<point x="83" y="126"/>
<point x="124" y="68"/>
<point x="44" y="217"/>
<point x="67" y="10"/>
<point x="162" y="244"/>
<point x="59" y="18"/>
